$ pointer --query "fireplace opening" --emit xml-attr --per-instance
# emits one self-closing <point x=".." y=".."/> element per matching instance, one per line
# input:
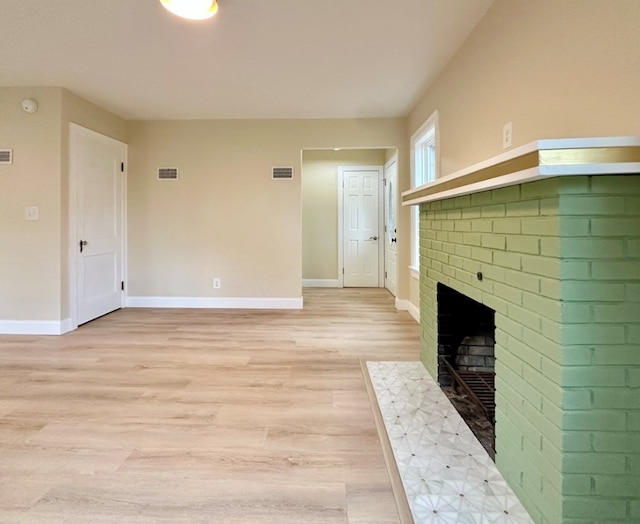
<point x="466" y="361"/>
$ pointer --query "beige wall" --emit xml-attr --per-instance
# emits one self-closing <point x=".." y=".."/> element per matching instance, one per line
<point x="225" y="217"/>
<point x="320" y="206"/>
<point x="553" y="68"/>
<point x="30" y="263"/>
<point x="34" y="255"/>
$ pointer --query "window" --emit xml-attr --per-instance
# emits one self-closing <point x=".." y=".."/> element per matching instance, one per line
<point x="424" y="162"/>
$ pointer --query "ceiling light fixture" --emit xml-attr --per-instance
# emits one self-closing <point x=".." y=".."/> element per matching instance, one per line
<point x="191" y="9"/>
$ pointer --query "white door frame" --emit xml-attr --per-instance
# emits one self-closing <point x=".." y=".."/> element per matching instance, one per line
<point x="341" y="170"/>
<point x="75" y="131"/>
<point x="393" y="160"/>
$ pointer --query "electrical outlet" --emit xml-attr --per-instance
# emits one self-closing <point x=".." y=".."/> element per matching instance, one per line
<point x="216" y="283"/>
<point x="32" y="213"/>
<point x="507" y="135"/>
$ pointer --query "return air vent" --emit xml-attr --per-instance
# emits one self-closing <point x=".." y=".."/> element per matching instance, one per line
<point x="6" y="156"/>
<point x="282" y="173"/>
<point x="167" y="173"/>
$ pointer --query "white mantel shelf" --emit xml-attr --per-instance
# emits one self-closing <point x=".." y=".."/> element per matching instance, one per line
<point x="535" y="161"/>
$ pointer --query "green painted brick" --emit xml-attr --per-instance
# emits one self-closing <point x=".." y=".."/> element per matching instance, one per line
<point x="633" y="248"/>
<point x="462" y="225"/>
<point x="594" y="508"/>
<point x="635" y="509"/>
<point x="593" y="333"/>
<point x="447" y="225"/>
<point x="479" y="199"/>
<point x="543" y="306"/>
<point x="592" y="248"/>
<point x="622" y="184"/>
<point x="550" y="288"/>
<point x="494" y="273"/>
<point x="494" y="211"/>
<point x="633" y="334"/>
<point x="633" y="379"/>
<point x="575" y="184"/>
<point x="482" y="226"/>
<point x="576" y="398"/>
<point x="552" y="370"/>
<point x="549" y="206"/>
<point x="527" y="208"/>
<point x="542" y="344"/>
<point x="617" y="486"/>
<point x="547" y="427"/>
<point x="472" y="239"/>
<point x="507" y="226"/>
<point x="543" y="266"/>
<point x="463" y="251"/>
<point x="576" y="441"/>
<point x="462" y="201"/>
<point x="499" y="305"/>
<point x="515" y="387"/>
<point x="615" y="227"/>
<point x="596" y="420"/>
<point x="550" y="247"/>
<point x="631" y="206"/>
<point x="540" y="226"/>
<point x="469" y="213"/>
<point x="523" y="281"/>
<point x="616" y="398"/>
<point x="577" y="313"/>
<point x="454" y="214"/>
<point x="613" y="442"/>
<point x="600" y="463"/>
<point x="616" y="270"/>
<point x="623" y="355"/>
<point x="576" y="484"/>
<point x="448" y="203"/>
<point x="591" y="205"/>
<point x="577" y="355"/>
<point x="616" y="313"/>
<point x="482" y="255"/>
<point x="491" y="241"/>
<point x="550" y="389"/>
<point x="509" y="260"/>
<point x="633" y="423"/>
<point x="542" y="188"/>
<point x="575" y="270"/>
<point x="506" y="194"/>
<point x="551" y="330"/>
<point x="594" y="376"/>
<point x="592" y="292"/>
<point x="508" y="293"/>
<point x="523" y="244"/>
<point x="525" y="317"/>
<point x="575" y="227"/>
<point x="448" y="248"/>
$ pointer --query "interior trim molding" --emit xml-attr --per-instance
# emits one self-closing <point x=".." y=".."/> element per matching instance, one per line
<point x="406" y="305"/>
<point x="215" y="303"/>
<point x="319" y="282"/>
<point x="35" y="327"/>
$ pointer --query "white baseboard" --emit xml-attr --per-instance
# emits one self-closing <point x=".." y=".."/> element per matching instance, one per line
<point x="35" y="327"/>
<point x="405" y="305"/>
<point x="215" y="303"/>
<point x="316" y="282"/>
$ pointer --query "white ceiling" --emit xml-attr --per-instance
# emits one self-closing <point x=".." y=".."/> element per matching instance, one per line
<point x="255" y="59"/>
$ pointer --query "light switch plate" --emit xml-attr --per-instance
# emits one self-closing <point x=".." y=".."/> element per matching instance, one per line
<point x="32" y="213"/>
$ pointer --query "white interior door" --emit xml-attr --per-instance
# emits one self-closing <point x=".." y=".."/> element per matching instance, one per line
<point x="361" y="236"/>
<point x="390" y="227"/>
<point x="97" y="166"/>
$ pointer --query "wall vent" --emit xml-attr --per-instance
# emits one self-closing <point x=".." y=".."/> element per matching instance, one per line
<point x="6" y="156"/>
<point x="282" y="173"/>
<point x="167" y="173"/>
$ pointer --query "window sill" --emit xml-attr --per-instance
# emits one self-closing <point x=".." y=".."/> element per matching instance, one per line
<point x="415" y="272"/>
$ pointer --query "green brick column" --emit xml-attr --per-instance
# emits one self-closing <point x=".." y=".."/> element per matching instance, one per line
<point x="601" y="348"/>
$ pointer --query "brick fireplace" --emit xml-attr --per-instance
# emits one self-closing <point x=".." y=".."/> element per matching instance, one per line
<point x="551" y="243"/>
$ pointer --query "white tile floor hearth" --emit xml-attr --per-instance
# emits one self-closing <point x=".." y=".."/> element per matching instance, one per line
<point x="447" y="475"/>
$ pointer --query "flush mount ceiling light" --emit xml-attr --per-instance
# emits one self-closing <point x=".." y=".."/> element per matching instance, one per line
<point x="191" y="9"/>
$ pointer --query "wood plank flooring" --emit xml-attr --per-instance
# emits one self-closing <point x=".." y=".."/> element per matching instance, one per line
<point x="198" y="416"/>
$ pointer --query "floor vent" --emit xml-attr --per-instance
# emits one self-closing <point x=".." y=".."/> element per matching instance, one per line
<point x="6" y="156"/>
<point x="282" y="173"/>
<point x="167" y="173"/>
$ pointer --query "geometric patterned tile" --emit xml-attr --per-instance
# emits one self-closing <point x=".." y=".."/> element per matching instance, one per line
<point x="447" y="475"/>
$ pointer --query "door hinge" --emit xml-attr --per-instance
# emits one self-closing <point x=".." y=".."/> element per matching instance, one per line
<point x="122" y="166"/>
<point x="385" y="274"/>
<point x="343" y="271"/>
<point x="122" y="285"/>
<point x="385" y="181"/>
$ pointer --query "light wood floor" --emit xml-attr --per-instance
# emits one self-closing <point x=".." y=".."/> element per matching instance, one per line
<point x="202" y="416"/>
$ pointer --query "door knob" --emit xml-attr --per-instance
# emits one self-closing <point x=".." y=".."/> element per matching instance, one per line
<point x="82" y="244"/>
<point x="394" y="240"/>
<point x="373" y="238"/>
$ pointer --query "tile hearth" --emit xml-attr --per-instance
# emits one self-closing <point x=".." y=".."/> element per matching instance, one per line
<point x="447" y="475"/>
